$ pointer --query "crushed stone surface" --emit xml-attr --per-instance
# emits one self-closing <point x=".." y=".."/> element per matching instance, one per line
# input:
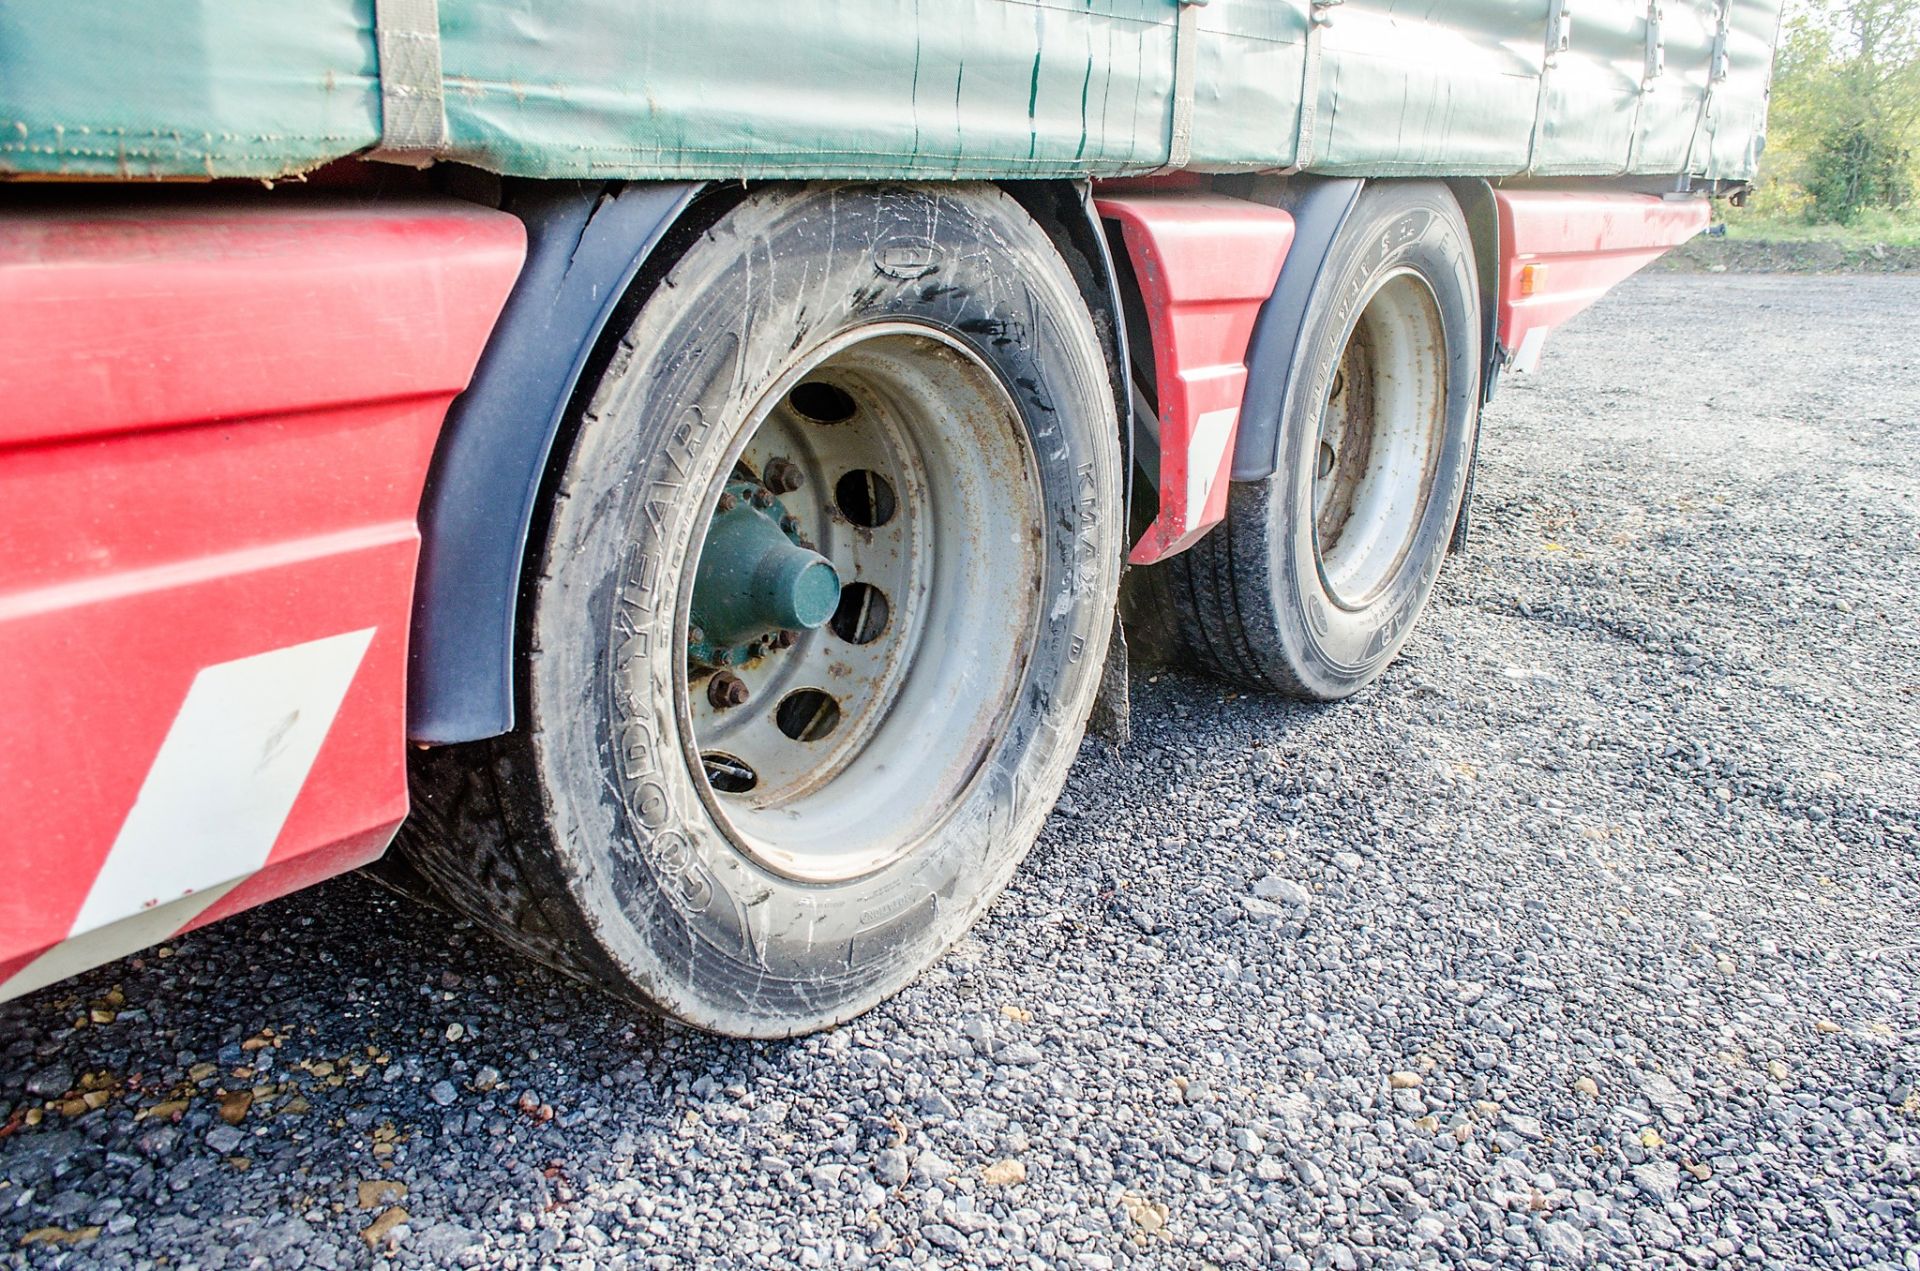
<point x="1589" y="936"/>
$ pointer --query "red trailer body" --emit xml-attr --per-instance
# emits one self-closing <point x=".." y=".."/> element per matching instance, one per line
<point x="218" y="420"/>
<point x="220" y="415"/>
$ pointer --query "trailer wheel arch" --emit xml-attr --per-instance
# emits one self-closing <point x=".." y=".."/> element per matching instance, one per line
<point x="1320" y="207"/>
<point x="588" y="244"/>
<point x="592" y="250"/>
<point x="595" y="834"/>
<point x="1475" y="197"/>
<point x="1257" y="601"/>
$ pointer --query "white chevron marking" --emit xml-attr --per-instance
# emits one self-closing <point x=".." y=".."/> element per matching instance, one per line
<point x="214" y="801"/>
<point x="1208" y="446"/>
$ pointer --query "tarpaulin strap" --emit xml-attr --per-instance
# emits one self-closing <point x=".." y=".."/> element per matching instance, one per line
<point x="1318" y="20"/>
<point x="1656" y="60"/>
<point x="1559" y="40"/>
<point x="1185" y="57"/>
<point x="1719" y="67"/>
<point x="413" y="101"/>
<point x="1652" y="69"/>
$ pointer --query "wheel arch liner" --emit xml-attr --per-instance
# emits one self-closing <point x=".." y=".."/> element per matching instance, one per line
<point x="1078" y="233"/>
<point x="1205" y="264"/>
<point x="1320" y="209"/>
<point x="1475" y="198"/>
<point x="586" y="244"/>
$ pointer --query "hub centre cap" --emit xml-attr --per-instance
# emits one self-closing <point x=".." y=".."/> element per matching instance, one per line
<point x="853" y="648"/>
<point x="756" y="578"/>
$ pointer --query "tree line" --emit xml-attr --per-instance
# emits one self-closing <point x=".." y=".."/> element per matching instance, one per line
<point x="1845" y="110"/>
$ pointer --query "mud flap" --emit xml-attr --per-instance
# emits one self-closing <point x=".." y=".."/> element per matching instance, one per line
<point x="1112" y="717"/>
<point x="1463" y="523"/>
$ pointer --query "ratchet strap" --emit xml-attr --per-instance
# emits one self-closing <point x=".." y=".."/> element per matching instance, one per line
<point x="413" y="100"/>
<point x="1318" y="19"/>
<point x="1186" y="32"/>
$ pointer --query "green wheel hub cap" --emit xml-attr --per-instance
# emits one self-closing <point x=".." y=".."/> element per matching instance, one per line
<point x="756" y="578"/>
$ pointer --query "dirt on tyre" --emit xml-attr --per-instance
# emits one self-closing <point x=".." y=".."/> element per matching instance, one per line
<point x="1316" y="577"/>
<point x="818" y="618"/>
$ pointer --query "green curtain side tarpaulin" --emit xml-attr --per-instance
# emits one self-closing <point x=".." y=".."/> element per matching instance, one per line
<point x="899" y="88"/>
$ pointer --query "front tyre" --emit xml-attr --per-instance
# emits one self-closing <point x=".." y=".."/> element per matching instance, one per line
<point x="1314" y="581"/>
<point x="818" y="621"/>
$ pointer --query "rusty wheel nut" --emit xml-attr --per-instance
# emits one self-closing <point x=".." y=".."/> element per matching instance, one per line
<point x="728" y="501"/>
<point x="786" y="639"/>
<point x="790" y="523"/>
<point x="726" y="690"/>
<point x="784" y="476"/>
<point x="763" y="498"/>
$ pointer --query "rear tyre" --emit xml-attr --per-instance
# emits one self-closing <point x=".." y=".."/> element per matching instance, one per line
<point x="1315" y="579"/>
<point x="818" y="620"/>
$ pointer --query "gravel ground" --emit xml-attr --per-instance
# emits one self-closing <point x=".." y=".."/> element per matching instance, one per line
<point x="1590" y="935"/>
<point x="1763" y="256"/>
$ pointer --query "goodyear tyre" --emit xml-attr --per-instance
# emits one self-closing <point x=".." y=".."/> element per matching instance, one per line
<point x="817" y="621"/>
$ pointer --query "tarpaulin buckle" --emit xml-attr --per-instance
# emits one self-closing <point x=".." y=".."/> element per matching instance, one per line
<point x="1319" y="18"/>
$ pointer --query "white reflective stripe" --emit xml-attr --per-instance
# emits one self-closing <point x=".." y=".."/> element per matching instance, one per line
<point x="213" y="803"/>
<point x="115" y="940"/>
<point x="1526" y="360"/>
<point x="1205" y="450"/>
<point x="226" y="776"/>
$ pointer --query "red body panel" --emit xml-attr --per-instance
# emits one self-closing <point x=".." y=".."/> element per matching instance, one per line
<point x="1567" y="249"/>
<point x="116" y="320"/>
<point x="1205" y="264"/>
<point x="218" y="424"/>
<point x="218" y="420"/>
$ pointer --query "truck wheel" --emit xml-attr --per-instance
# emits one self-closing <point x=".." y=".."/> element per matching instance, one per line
<point x="818" y="620"/>
<point x="1315" y="579"/>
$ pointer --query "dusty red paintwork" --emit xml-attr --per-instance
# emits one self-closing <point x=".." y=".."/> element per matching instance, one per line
<point x="1205" y="264"/>
<point x="1580" y="245"/>
<point x="218" y="421"/>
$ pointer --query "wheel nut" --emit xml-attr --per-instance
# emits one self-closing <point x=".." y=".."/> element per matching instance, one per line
<point x="784" y="476"/>
<point x="786" y="639"/>
<point x="727" y="501"/>
<point x="726" y="690"/>
<point x="763" y="498"/>
<point x="790" y="523"/>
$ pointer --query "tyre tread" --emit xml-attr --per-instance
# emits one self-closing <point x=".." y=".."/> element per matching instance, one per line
<point x="1214" y="605"/>
<point x="486" y="832"/>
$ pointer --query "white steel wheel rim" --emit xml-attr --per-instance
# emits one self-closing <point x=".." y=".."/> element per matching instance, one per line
<point x="919" y="699"/>
<point x="1378" y="445"/>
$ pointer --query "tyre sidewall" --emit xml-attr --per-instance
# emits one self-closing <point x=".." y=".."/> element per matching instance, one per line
<point x="1397" y="226"/>
<point x="695" y="925"/>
